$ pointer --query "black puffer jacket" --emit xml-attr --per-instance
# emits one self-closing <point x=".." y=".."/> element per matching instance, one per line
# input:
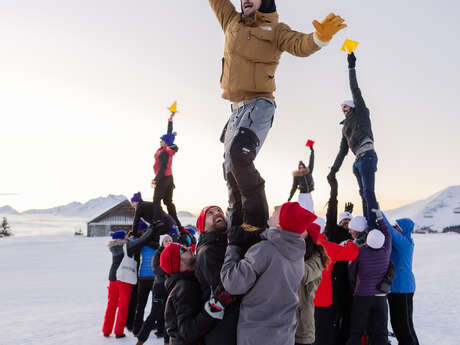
<point x="356" y="126"/>
<point x="303" y="179"/>
<point x="186" y="322"/>
<point x="144" y="211"/>
<point x="209" y="259"/>
<point x="133" y="247"/>
<point x="159" y="288"/>
<point x="341" y="287"/>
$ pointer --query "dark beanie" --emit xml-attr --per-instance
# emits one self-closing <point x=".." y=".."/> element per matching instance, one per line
<point x="268" y="6"/>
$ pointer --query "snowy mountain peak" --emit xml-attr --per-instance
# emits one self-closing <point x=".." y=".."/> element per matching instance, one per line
<point x="435" y="212"/>
<point x="5" y="210"/>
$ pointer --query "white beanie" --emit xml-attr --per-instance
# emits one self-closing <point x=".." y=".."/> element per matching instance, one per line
<point x="344" y="215"/>
<point x="358" y="223"/>
<point x="321" y="223"/>
<point x="375" y="239"/>
<point x="163" y="237"/>
<point x="349" y="102"/>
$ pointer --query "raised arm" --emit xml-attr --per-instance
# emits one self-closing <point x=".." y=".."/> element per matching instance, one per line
<point x="355" y="90"/>
<point x="343" y="151"/>
<point x="170" y="124"/>
<point x="295" y="43"/>
<point x="294" y="188"/>
<point x="136" y="245"/>
<point x="331" y="214"/>
<point x="311" y="164"/>
<point x="224" y="11"/>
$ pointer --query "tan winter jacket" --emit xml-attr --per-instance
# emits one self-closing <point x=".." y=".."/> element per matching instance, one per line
<point x="253" y="47"/>
<point x="305" y="333"/>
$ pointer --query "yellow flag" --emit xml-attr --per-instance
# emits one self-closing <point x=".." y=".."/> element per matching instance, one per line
<point x="173" y="108"/>
<point x="349" y="46"/>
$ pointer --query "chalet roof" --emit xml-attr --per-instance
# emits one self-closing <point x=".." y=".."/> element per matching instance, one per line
<point x="118" y="207"/>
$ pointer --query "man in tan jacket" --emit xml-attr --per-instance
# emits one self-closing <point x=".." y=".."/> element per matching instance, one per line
<point x="254" y="42"/>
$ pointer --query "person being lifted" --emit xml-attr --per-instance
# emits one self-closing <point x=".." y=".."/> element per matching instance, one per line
<point x="254" y="42"/>
<point x="303" y="180"/>
<point x="357" y="135"/>
<point x="163" y="181"/>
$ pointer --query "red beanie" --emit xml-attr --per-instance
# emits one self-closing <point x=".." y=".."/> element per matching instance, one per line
<point x="295" y="218"/>
<point x="202" y="217"/>
<point x="170" y="258"/>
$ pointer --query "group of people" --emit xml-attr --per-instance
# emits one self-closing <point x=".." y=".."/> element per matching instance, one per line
<point x="289" y="278"/>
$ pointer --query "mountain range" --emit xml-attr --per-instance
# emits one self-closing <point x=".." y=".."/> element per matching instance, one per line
<point x="436" y="212"/>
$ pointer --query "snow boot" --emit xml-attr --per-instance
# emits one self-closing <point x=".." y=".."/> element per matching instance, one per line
<point x="118" y="336"/>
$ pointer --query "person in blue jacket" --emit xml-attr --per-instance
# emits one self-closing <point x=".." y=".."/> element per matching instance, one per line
<point x="401" y="297"/>
<point x="146" y="278"/>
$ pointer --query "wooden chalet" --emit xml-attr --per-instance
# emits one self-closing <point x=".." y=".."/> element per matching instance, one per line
<point x="119" y="217"/>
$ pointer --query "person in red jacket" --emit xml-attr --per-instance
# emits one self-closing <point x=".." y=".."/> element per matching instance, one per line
<point x="324" y="316"/>
<point x="163" y="181"/>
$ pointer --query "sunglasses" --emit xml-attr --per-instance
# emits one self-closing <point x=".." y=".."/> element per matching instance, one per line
<point x="183" y="249"/>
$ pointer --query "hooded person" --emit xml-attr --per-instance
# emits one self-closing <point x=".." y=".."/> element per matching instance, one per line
<point x="119" y="291"/>
<point x="209" y="259"/>
<point x="187" y="319"/>
<point x="358" y="137"/>
<point x="369" y="310"/>
<point x="164" y="181"/>
<point x="254" y="42"/>
<point x="279" y="258"/>
<point x="303" y="180"/>
<point x="316" y="261"/>
<point x="337" y="231"/>
<point x="400" y="299"/>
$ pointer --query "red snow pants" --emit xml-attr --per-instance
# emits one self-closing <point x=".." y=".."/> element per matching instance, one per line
<point x="119" y="295"/>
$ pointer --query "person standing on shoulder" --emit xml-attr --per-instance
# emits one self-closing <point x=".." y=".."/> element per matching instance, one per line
<point x="401" y="297"/>
<point x="164" y="181"/>
<point x="254" y="42"/>
<point x="303" y="180"/>
<point x="358" y="137"/>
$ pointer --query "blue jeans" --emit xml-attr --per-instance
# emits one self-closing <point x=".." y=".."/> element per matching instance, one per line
<point x="364" y="169"/>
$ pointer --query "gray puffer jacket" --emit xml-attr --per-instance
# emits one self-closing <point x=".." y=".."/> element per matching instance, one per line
<point x="269" y="277"/>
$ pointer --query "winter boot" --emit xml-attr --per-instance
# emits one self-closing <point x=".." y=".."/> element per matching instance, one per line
<point x="118" y="336"/>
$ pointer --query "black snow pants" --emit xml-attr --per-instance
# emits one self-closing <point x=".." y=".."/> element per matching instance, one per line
<point x="324" y="325"/>
<point x="369" y="314"/>
<point x="164" y="191"/>
<point x="401" y="310"/>
<point x="144" y="286"/>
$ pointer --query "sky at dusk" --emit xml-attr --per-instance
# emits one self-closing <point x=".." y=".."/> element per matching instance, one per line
<point x="85" y="85"/>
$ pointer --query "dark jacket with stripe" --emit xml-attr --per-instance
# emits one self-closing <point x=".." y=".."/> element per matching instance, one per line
<point x="303" y="179"/>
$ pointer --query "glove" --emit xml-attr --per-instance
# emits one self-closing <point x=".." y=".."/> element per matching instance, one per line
<point x="214" y="309"/>
<point x="154" y="183"/>
<point x="378" y="213"/>
<point x="328" y="27"/>
<point x="222" y="296"/>
<point x="349" y="207"/>
<point x="236" y="236"/>
<point x="351" y="60"/>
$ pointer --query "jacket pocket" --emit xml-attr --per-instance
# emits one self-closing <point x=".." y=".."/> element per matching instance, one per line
<point x="264" y="77"/>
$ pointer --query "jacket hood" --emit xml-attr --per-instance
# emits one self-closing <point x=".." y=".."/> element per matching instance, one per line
<point x="117" y="242"/>
<point x="289" y="244"/>
<point x="301" y="172"/>
<point x="173" y="279"/>
<point x="406" y="225"/>
<point x="260" y="18"/>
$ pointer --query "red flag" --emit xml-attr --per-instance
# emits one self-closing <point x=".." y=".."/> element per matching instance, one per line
<point x="309" y="143"/>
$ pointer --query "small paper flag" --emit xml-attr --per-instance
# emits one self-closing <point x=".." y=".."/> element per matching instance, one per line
<point x="309" y="143"/>
<point x="173" y="108"/>
<point x="349" y="46"/>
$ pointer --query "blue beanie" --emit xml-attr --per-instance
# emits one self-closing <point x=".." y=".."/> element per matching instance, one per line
<point x="169" y="138"/>
<point x="136" y="197"/>
<point x="142" y="225"/>
<point x="191" y="229"/>
<point x="118" y="235"/>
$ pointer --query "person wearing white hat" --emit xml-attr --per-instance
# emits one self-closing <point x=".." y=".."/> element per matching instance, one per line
<point x="370" y="309"/>
<point x="358" y="137"/>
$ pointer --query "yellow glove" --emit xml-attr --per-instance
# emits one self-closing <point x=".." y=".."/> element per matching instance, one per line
<point x="328" y="27"/>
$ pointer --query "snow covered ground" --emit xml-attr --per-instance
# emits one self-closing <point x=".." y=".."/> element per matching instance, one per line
<point x="53" y="290"/>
